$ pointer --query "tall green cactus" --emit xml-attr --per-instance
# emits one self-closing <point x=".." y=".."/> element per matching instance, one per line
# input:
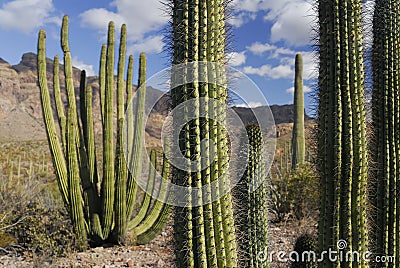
<point x="385" y="230"/>
<point x="342" y="148"/>
<point x="204" y="234"/>
<point x="252" y="212"/>
<point x="99" y="213"/>
<point x="298" y="140"/>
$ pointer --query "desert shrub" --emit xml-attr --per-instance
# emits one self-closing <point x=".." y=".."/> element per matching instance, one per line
<point x="33" y="221"/>
<point x="295" y="193"/>
<point x="44" y="231"/>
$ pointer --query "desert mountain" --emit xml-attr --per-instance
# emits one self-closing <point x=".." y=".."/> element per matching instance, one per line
<point x="20" y="108"/>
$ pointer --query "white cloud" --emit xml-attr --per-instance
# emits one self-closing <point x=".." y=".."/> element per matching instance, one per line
<point x="83" y="66"/>
<point x="258" y="48"/>
<point x="306" y="89"/>
<point x="26" y="15"/>
<point x="292" y="20"/>
<point x="251" y="104"/>
<point x="241" y="18"/>
<point x="151" y="44"/>
<point x="277" y="72"/>
<point x="141" y="17"/>
<point x="98" y="18"/>
<point x="292" y="23"/>
<point x="275" y="52"/>
<point x="236" y="58"/>
<point x="285" y="57"/>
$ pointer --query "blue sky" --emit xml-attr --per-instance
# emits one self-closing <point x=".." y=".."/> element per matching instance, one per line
<point x="266" y="36"/>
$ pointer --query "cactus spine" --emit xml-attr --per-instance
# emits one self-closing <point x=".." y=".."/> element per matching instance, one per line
<point x="385" y="232"/>
<point x="204" y="234"/>
<point x="252" y="214"/>
<point x="342" y="149"/>
<point x="298" y="140"/>
<point x="99" y="215"/>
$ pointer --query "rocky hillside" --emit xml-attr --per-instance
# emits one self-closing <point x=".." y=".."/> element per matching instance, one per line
<point x="21" y="114"/>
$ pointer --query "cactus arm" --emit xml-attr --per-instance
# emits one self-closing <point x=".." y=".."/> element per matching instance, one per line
<point x="252" y="218"/>
<point x="298" y="140"/>
<point x="182" y="232"/>
<point x="89" y="137"/>
<point x="56" y="150"/>
<point x="359" y="194"/>
<point x="135" y="164"/>
<point x="82" y="103"/>
<point x="384" y="234"/>
<point x="120" y="194"/>
<point x="102" y="79"/>
<point x="204" y="137"/>
<point x="223" y="162"/>
<point x="341" y="120"/>
<point x="69" y="83"/>
<point x="122" y="172"/>
<point x="217" y="210"/>
<point x="58" y="100"/>
<point x="76" y="203"/>
<point x="191" y="28"/>
<point x="145" y="206"/>
<point x="129" y="78"/>
<point x="107" y="187"/>
<point x="129" y="109"/>
<point x="91" y="178"/>
<point x="121" y="72"/>
<point x="198" y="213"/>
<point x="161" y="211"/>
<point x="129" y="126"/>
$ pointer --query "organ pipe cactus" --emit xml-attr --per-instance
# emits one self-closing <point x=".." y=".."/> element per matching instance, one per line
<point x="204" y="234"/>
<point x="252" y="212"/>
<point x="342" y="149"/>
<point x="100" y="206"/>
<point x="298" y="140"/>
<point x="385" y="232"/>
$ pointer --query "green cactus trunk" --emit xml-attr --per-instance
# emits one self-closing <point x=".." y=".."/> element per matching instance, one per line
<point x="204" y="234"/>
<point x="342" y="148"/>
<point x="298" y="139"/>
<point x="100" y="215"/>
<point x="385" y="229"/>
<point x="252" y="212"/>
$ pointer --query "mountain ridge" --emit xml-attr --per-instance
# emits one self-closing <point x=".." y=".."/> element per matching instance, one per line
<point x="20" y="108"/>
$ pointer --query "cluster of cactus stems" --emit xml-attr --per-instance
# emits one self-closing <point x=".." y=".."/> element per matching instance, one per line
<point x="298" y="140"/>
<point x="251" y="215"/>
<point x="385" y="231"/>
<point x="204" y="234"/>
<point x="342" y="149"/>
<point x="100" y="206"/>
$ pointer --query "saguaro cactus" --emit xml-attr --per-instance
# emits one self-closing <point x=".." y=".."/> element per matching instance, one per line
<point x="99" y="213"/>
<point x="385" y="232"/>
<point x="252" y="212"/>
<point x="298" y="140"/>
<point x="342" y="148"/>
<point x="204" y="234"/>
